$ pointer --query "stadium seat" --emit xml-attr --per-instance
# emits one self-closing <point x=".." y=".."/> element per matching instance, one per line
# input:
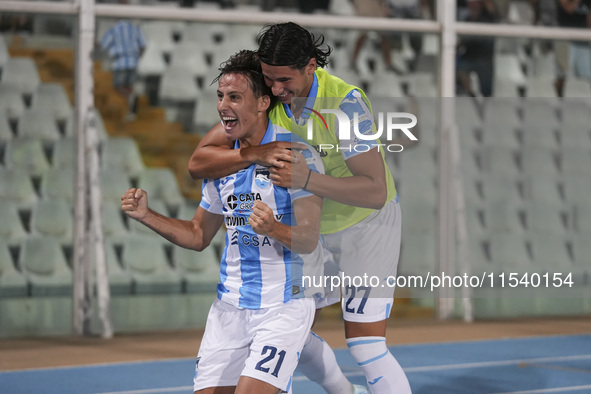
<point x="386" y="85"/>
<point x="417" y="187"/>
<point x="499" y="160"/>
<point x="11" y="102"/>
<point x="120" y="281"/>
<point x="467" y="115"/>
<point x="582" y="254"/>
<point x="17" y="187"/>
<point x="146" y="261"/>
<point x="53" y="98"/>
<point x="12" y="281"/>
<point x="113" y="185"/>
<point x="417" y="159"/>
<point x="505" y="88"/>
<point x="69" y="127"/>
<point x="550" y="253"/>
<point x="468" y="139"/>
<point x="5" y="133"/>
<point x="543" y="67"/>
<point x="427" y="135"/>
<point x="542" y="86"/>
<point x="575" y="136"/>
<point x="419" y="216"/>
<point x="205" y="114"/>
<point x="341" y="7"/>
<point x="575" y="111"/>
<point x="474" y="219"/>
<point x="159" y="33"/>
<point x="582" y="218"/>
<point x="44" y="265"/>
<point x="503" y="217"/>
<point x="575" y="160"/>
<point x="26" y="154"/>
<point x="541" y="188"/>
<point x="121" y="154"/>
<point x="426" y="109"/>
<point x="39" y="123"/>
<point x="511" y="67"/>
<point x="152" y="61"/>
<point x="422" y="84"/>
<point x="64" y="153"/>
<point x="161" y="184"/>
<point x="177" y="84"/>
<point x="501" y="122"/>
<point x="472" y="190"/>
<point x="538" y="161"/>
<point x="539" y="135"/>
<point x="54" y="219"/>
<point x="190" y="56"/>
<point x="499" y="188"/>
<point x="200" y="270"/>
<point x="187" y="210"/>
<point x="417" y="254"/>
<point x="22" y="74"/>
<point x="576" y="188"/>
<point x="502" y="111"/>
<point x="58" y="183"/>
<point x="205" y="34"/>
<point x="139" y="229"/>
<point x="541" y="218"/>
<point x="4" y="54"/>
<point x="12" y="232"/>
<point x="576" y="87"/>
<point x="509" y="253"/>
<point x="113" y="224"/>
<point x="540" y="112"/>
<point x="477" y="256"/>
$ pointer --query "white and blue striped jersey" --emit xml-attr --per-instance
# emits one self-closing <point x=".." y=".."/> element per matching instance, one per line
<point x="124" y="42"/>
<point x="257" y="271"/>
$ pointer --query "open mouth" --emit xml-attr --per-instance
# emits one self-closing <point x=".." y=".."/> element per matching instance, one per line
<point x="229" y="121"/>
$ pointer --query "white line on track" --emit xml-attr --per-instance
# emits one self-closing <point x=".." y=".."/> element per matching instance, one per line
<point x="554" y="390"/>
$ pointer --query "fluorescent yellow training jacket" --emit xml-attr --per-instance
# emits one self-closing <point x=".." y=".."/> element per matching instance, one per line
<point x="331" y="91"/>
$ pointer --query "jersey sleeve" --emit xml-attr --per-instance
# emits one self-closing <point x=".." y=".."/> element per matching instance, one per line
<point x="351" y="105"/>
<point x="210" y="200"/>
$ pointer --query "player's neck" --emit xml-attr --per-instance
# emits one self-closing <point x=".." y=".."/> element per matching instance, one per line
<point x="255" y="138"/>
<point x="297" y="106"/>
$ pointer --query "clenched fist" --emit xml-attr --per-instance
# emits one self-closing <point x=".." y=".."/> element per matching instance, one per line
<point x="262" y="219"/>
<point x="135" y="203"/>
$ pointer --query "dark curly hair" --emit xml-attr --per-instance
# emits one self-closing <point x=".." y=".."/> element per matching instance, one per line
<point x="247" y="63"/>
<point x="289" y="44"/>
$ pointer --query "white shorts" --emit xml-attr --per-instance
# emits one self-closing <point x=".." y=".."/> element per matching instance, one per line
<point x="260" y="343"/>
<point x="365" y="257"/>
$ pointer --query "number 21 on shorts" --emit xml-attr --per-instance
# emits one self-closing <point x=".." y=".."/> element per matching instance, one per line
<point x="266" y="363"/>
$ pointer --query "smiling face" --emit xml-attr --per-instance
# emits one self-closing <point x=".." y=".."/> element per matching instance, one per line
<point x="243" y="115"/>
<point x="287" y="83"/>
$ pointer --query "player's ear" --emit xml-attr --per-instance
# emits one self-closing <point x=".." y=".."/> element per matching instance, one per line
<point x="264" y="103"/>
<point x="311" y="66"/>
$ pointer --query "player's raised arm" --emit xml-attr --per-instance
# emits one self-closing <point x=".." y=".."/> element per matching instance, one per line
<point x="214" y="157"/>
<point x="195" y="234"/>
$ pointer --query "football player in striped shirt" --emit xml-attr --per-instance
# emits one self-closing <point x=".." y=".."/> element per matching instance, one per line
<point x="257" y="326"/>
